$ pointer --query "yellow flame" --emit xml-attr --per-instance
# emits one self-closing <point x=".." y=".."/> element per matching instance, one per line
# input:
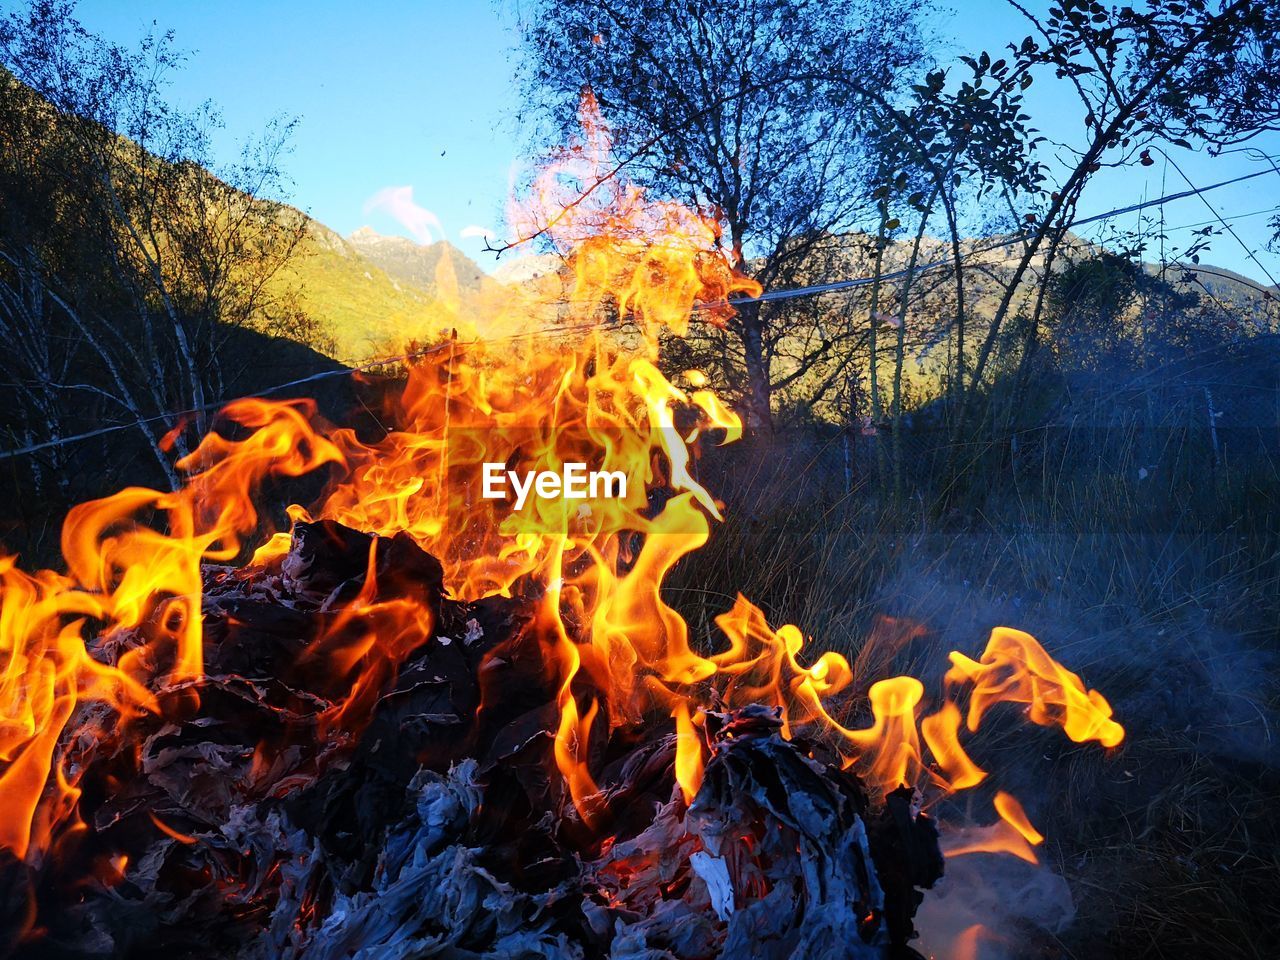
<point x="616" y="651"/>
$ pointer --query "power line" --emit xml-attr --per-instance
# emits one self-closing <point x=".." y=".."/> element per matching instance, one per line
<point x="289" y="385"/>
<point x="837" y="285"/>
<point x="1229" y="228"/>
<point x="214" y="404"/>
<point x="771" y="296"/>
<point x="1233" y="217"/>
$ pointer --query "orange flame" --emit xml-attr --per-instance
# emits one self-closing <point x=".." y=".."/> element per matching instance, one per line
<point x="617" y="652"/>
<point x="1015" y="669"/>
<point x="168" y="831"/>
<point x="688" y="753"/>
<point x="942" y="734"/>
<point x="127" y="575"/>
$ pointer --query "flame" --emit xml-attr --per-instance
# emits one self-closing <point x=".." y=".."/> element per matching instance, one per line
<point x="616" y="652"/>
<point x="1011" y="812"/>
<point x="1000" y="837"/>
<point x="125" y="574"/>
<point x="362" y="647"/>
<point x="688" y="753"/>
<point x="761" y="665"/>
<point x="1014" y="668"/>
<point x="941" y="732"/>
<point x="168" y="831"/>
<point x="968" y="944"/>
<point x="1012" y="834"/>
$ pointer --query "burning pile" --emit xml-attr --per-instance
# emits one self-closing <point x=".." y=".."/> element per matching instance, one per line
<point x="422" y="723"/>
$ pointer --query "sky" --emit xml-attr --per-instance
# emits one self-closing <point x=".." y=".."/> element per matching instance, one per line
<point x="406" y="113"/>
<point x="400" y="106"/>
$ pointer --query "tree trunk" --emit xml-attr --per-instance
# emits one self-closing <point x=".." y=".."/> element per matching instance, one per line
<point x="957" y="382"/>
<point x="758" y="401"/>
<point x="900" y="349"/>
<point x="873" y="339"/>
<point x="1031" y="340"/>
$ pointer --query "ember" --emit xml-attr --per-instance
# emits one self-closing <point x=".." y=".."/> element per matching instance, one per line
<point x="417" y="724"/>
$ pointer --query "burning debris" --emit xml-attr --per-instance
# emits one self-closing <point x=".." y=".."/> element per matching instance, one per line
<point x="243" y="830"/>
<point x="423" y="724"/>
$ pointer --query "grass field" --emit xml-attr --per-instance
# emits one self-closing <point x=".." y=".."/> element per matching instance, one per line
<point x="1163" y="596"/>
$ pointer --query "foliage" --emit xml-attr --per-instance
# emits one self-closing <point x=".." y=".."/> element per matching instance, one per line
<point x="125" y="265"/>
<point x="1089" y="302"/>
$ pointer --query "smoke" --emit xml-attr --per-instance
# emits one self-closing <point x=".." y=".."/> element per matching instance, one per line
<point x="986" y="906"/>
<point x="399" y="203"/>
<point x="1190" y="691"/>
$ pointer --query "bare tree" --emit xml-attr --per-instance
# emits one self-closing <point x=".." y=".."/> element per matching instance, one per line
<point x="125" y="264"/>
<point x="755" y="111"/>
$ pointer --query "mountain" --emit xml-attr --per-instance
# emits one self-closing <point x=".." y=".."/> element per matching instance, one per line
<point x="360" y="309"/>
<point x="1225" y="287"/>
<point x="374" y="294"/>
<point x="422" y="266"/>
<point x="452" y="292"/>
<point x="523" y="269"/>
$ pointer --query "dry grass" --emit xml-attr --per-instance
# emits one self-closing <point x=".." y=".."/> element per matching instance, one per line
<point x="1179" y="867"/>
<point x="1166" y="599"/>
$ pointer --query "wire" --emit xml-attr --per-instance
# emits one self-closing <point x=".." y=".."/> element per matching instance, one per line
<point x="344" y="371"/>
<point x="1233" y="217"/>
<point x="1229" y="228"/>
<point x="770" y="297"/>
<point x="175" y="414"/>
<point x="775" y="295"/>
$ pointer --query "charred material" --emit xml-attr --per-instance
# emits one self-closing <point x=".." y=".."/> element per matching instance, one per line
<point x="317" y="796"/>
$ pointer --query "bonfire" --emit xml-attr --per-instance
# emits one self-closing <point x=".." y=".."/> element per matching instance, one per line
<point x="421" y="719"/>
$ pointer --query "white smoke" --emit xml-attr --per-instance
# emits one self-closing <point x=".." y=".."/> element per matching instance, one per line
<point x="983" y="906"/>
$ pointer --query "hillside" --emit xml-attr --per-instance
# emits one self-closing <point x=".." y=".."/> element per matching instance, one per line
<point x="426" y="267"/>
<point x="361" y="309"/>
<point x="1222" y="298"/>
<point x="373" y="294"/>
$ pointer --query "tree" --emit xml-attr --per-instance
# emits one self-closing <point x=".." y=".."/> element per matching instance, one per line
<point x="945" y="141"/>
<point x="1184" y="73"/>
<point x="1088" y="306"/>
<point x="124" y="263"/>
<point x="758" y="112"/>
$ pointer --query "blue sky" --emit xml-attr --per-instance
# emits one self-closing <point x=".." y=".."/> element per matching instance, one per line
<point x="388" y="95"/>
<point x="415" y="101"/>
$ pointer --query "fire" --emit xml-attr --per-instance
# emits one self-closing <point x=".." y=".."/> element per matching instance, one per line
<point x="616" y="650"/>
<point x="941" y="732"/>
<point x="761" y="666"/>
<point x="123" y="573"/>
<point x="1015" y="669"/>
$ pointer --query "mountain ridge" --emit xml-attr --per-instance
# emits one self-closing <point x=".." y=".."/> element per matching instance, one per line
<point x="425" y="266"/>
